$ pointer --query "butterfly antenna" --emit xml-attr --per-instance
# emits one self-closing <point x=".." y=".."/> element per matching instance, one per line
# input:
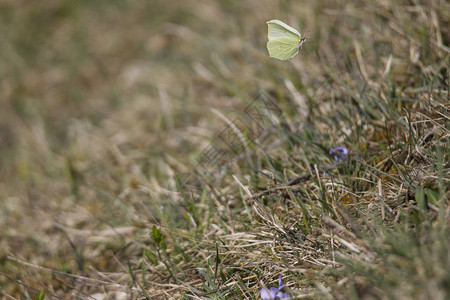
<point x="308" y="36"/>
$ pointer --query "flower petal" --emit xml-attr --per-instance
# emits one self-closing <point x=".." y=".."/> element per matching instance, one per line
<point x="338" y="153"/>
<point x="265" y="294"/>
<point x="268" y="294"/>
<point x="273" y="292"/>
<point x="283" y="296"/>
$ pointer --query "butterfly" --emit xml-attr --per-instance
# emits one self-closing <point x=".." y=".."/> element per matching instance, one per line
<point x="284" y="41"/>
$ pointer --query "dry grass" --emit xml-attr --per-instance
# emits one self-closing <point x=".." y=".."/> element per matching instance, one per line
<point x="106" y="106"/>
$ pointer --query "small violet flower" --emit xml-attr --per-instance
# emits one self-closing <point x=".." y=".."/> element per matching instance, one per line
<point x="338" y="153"/>
<point x="274" y="293"/>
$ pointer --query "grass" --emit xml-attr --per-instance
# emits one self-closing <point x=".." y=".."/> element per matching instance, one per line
<point x="108" y="105"/>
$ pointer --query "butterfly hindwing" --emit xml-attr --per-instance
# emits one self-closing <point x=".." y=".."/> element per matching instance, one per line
<point x="281" y="51"/>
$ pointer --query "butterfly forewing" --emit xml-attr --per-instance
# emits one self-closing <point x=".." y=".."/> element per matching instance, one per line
<point x="283" y="32"/>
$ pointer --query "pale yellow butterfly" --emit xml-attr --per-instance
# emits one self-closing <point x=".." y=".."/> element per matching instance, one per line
<point x="284" y="41"/>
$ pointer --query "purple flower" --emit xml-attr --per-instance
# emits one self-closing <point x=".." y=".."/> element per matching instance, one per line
<point x="338" y="153"/>
<point x="274" y="293"/>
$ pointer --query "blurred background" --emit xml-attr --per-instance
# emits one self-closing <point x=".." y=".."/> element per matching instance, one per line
<point x="99" y="99"/>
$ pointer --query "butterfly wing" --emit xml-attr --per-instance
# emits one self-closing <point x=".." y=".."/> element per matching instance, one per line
<point x="283" y="40"/>
<point x="280" y="30"/>
<point x="281" y="50"/>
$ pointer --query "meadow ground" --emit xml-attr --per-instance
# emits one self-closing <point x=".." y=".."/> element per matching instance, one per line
<point x="108" y="107"/>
